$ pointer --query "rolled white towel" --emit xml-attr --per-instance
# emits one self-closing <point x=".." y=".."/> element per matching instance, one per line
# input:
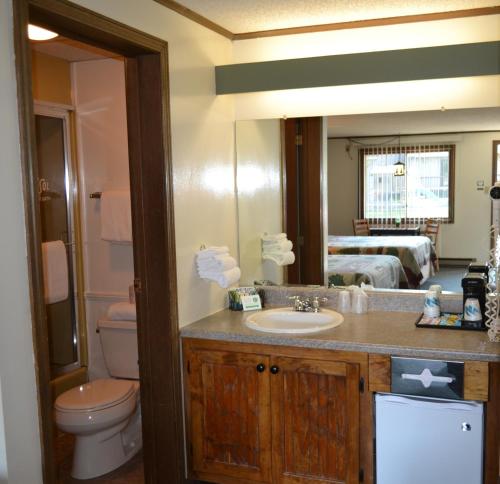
<point x="273" y="237"/>
<point x="212" y="252"/>
<point x="218" y="263"/>
<point x="122" y="311"/>
<point x="281" y="259"/>
<point x="225" y="278"/>
<point x="279" y="246"/>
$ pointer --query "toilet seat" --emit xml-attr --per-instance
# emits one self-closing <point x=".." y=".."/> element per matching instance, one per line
<point x="82" y="410"/>
<point x="96" y="395"/>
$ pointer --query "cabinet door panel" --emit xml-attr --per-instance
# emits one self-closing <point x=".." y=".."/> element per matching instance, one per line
<point x="315" y="413"/>
<point x="230" y="416"/>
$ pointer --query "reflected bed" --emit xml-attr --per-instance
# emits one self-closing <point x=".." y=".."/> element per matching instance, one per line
<point x="381" y="271"/>
<point x="416" y="254"/>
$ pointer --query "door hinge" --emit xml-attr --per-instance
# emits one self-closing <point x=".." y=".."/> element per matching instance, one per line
<point x="298" y="140"/>
<point x="361" y="475"/>
<point x="300" y="240"/>
<point x="137" y="286"/>
<point x="361" y="384"/>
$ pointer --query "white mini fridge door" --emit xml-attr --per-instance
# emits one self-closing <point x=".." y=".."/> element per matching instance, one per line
<point x="428" y="440"/>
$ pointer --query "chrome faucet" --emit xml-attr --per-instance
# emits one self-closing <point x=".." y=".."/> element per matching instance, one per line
<point x="307" y="304"/>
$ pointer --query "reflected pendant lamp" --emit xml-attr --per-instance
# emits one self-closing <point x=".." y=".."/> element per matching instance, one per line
<point x="399" y="167"/>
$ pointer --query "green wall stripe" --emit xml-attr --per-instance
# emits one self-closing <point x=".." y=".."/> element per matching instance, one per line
<point x="479" y="59"/>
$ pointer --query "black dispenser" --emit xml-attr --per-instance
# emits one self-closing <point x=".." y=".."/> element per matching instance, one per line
<point x="474" y="286"/>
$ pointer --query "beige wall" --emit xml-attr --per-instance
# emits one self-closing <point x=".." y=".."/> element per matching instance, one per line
<point x="17" y="373"/>
<point x="101" y="132"/>
<point x="258" y="155"/>
<point x="371" y="98"/>
<point x="202" y="143"/>
<point x="51" y="78"/>
<point x="467" y="237"/>
<point x="342" y="187"/>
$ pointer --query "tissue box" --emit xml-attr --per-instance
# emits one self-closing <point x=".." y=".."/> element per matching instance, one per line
<point x="234" y="295"/>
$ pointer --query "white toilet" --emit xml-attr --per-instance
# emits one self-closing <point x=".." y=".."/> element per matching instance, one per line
<point x="104" y="415"/>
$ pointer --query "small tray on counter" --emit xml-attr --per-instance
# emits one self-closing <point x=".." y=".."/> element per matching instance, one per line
<point x="445" y="321"/>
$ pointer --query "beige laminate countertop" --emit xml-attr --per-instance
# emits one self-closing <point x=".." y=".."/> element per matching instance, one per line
<point x="391" y="333"/>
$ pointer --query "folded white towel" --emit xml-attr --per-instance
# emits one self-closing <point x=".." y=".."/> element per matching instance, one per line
<point x="224" y="279"/>
<point x="218" y="263"/>
<point x="116" y="218"/>
<point x="284" y="245"/>
<point x="122" y="311"/>
<point x="212" y="252"/>
<point x="273" y="237"/>
<point x="55" y="271"/>
<point x="281" y="259"/>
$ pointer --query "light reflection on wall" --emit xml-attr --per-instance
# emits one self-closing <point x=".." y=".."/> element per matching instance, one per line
<point x="218" y="179"/>
<point x="251" y="179"/>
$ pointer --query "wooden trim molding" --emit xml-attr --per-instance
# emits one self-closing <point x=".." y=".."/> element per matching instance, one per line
<point x="33" y="236"/>
<point x="376" y="22"/>
<point x="307" y="29"/>
<point x="196" y="17"/>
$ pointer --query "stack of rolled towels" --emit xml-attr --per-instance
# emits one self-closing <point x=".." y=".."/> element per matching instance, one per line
<point x="278" y="249"/>
<point x="215" y="264"/>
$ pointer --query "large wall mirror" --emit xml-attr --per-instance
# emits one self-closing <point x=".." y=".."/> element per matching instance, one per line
<point x="405" y="196"/>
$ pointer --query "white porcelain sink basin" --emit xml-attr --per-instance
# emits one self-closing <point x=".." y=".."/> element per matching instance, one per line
<point x="286" y="320"/>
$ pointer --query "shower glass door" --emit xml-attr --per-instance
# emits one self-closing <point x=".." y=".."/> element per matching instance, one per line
<point x="56" y="206"/>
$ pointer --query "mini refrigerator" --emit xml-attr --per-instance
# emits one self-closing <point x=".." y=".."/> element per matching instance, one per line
<point x="422" y="440"/>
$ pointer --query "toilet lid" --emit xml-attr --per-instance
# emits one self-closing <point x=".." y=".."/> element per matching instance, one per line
<point x="95" y="395"/>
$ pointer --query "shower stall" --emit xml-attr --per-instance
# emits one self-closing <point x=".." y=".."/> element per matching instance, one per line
<point x="59" y="215"/>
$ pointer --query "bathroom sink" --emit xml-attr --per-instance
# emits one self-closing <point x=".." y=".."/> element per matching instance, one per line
<point x="286" y="320"/>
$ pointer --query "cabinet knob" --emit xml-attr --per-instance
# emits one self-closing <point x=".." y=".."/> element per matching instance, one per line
<point x="274" y="369"/>
<point x="261" y="367"/>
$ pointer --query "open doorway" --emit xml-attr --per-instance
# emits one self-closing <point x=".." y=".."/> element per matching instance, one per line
<point x="87" y="249"/>
<point x="146" y="91"/>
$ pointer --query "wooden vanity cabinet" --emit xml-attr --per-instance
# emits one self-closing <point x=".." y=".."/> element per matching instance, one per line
<point x="315" y="421"/>
<point x="229" y="414"/>
<point x="253" y="417"/>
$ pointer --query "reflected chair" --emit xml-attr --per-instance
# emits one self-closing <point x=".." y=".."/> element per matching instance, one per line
<point x="360" y="226"/>
<point x="432" y="231"/>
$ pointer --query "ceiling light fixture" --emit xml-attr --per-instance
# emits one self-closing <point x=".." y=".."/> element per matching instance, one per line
<point x="38" y="33"/>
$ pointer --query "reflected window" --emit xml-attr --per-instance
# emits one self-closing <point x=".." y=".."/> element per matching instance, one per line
<point x="423" y="192"/>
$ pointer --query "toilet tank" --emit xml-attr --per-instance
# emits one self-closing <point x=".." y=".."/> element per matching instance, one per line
<point x="119" y="346"/>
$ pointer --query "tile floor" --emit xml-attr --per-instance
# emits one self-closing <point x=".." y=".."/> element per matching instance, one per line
<point x="130" y="473"/>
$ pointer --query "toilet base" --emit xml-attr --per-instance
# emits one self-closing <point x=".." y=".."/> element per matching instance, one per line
<point x="98" y="454"/>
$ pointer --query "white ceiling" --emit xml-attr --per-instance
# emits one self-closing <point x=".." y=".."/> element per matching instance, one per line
<point x="452" y="121"/>
<point x="239" y="16"/>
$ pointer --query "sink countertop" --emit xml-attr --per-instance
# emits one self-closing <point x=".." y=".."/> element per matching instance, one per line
<point x="391" y="333"/>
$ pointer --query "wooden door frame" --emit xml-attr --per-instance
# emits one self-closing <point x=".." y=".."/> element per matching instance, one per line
<point x="146" y="59"/>
<point x="302" y="165"/>
<point x="494" y="162"/>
